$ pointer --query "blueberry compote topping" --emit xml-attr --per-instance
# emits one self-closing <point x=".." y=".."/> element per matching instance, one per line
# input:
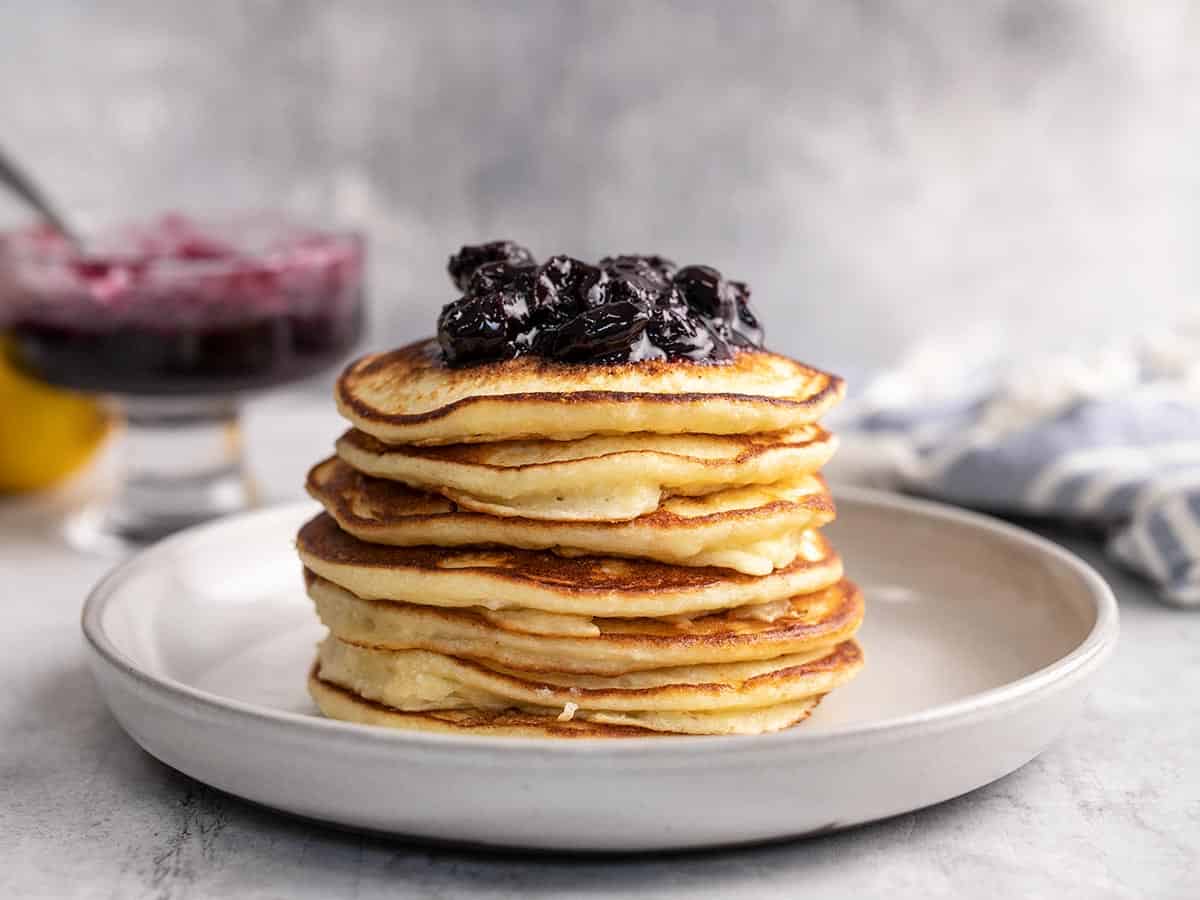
<point x="625" y="309"/>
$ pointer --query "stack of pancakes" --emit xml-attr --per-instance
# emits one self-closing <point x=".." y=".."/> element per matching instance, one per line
<point x="540" y="548"/>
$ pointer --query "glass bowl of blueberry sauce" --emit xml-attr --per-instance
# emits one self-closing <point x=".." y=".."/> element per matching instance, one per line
<point x="174" y="322"/>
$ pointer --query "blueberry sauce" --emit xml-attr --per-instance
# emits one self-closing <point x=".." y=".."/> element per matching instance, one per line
<point x="625" y="308"/>
<point x="177" y="307"/>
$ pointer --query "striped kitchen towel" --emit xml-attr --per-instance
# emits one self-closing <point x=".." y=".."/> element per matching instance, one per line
<point x="1107" y="438"/>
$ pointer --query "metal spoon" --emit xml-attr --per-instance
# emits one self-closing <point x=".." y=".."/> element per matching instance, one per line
<point x="27" y="190"/>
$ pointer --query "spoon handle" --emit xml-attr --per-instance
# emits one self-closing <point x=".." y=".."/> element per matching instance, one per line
<point x="24" y="187"/>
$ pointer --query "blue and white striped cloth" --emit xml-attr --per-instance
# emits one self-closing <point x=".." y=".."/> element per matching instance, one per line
<point x="1109" y="438"/>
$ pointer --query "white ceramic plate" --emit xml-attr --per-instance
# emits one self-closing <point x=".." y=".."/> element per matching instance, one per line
<point x="981" y="641"/>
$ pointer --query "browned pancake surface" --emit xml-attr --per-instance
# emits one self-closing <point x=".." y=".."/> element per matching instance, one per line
<point x="409" y="395"/>
<point x="743" y="448"/>
<point x="579" y="575"/>
<point x="361" y="501"/>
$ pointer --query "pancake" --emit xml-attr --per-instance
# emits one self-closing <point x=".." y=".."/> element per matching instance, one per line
<point x="339" y="703"/>
<point x="506" y="579"/>
<point x="410" y="396"/>
<point x="419" y="680"/>
<point x="598" y="478"/>
<point x="734" y="698"/>
<point x="609" y="646"/>
<point x="754" y="529"/>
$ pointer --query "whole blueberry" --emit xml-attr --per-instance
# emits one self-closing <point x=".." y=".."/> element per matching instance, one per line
<point x="632" y="288"/>
<point x="703" y="290"/>
<point x="681" y="335"/>
<point x="462" y="265"/>
<point x="476" y="329"/>
<point x="656" y="269"/>
<point x="569" y="284"/>
<point x="494" y="275"/>
<point x="601" y="333"/>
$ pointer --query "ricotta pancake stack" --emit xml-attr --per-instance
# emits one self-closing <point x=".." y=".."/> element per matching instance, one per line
<point x="532" y="545"/>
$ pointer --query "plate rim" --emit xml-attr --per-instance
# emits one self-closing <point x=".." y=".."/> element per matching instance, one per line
<point x="1082" y="660"/>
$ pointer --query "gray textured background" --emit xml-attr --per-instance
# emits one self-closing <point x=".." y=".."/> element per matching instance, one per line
<point x="875" y="170"/>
